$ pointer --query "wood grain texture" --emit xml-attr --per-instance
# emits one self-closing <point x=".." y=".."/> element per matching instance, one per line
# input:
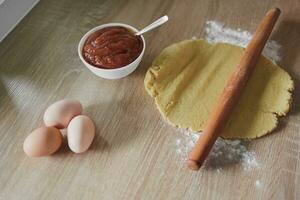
<point x="133" y="155"/>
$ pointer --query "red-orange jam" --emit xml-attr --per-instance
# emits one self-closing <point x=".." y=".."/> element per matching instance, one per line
<point x="112" y="47"/>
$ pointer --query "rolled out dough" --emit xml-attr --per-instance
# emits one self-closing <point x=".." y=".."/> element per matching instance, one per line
<point x="187" y="78"/>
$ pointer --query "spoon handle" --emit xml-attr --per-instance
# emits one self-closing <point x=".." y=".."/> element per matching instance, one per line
<point x="155" y="24"/>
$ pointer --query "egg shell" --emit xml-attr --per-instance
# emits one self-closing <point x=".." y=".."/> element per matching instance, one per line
<point x="60" y="113"/>
<point x="81" y="132"/>
<point x="42" y="142"/>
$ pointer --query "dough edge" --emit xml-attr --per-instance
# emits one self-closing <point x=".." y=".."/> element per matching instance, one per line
<point x="150" y="78"/>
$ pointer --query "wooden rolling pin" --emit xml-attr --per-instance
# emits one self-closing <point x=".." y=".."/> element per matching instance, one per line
<point x="232" y="91"/>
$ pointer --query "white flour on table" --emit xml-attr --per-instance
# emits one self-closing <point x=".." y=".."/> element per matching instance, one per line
<point x="217" y="32"/>
<point x="226" y="152"/>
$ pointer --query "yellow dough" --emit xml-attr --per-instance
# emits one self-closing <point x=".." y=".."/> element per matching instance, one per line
<point x="187" y="78"/>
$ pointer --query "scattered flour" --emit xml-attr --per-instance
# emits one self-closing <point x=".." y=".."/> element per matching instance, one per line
<point x="217" y="32"/>
<point x="258" y="184"/>
<point x="226" y="152"/>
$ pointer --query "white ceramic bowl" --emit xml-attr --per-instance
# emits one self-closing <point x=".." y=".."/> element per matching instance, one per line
<point x="111" y="73"/>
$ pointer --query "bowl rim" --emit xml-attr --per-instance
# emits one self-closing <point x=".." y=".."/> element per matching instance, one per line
<point x="85" y="36"/>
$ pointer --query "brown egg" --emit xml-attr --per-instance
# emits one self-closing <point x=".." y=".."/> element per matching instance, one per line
<point x="42" y="142"/>
<point x="81" y="132"/>
<point x="60" y="113"/>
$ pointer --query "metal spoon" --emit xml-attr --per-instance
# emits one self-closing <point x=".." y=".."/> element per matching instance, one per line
<point x="155" y="24"/>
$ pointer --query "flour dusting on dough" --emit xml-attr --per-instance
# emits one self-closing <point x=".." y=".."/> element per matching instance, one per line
<point x="217" y="32"/>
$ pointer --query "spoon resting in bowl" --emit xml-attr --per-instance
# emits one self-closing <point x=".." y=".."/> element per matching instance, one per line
<point x="154" y="25"/>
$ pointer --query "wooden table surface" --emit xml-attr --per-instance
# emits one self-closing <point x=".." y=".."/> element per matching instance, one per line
<point x="133" y="155"/>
